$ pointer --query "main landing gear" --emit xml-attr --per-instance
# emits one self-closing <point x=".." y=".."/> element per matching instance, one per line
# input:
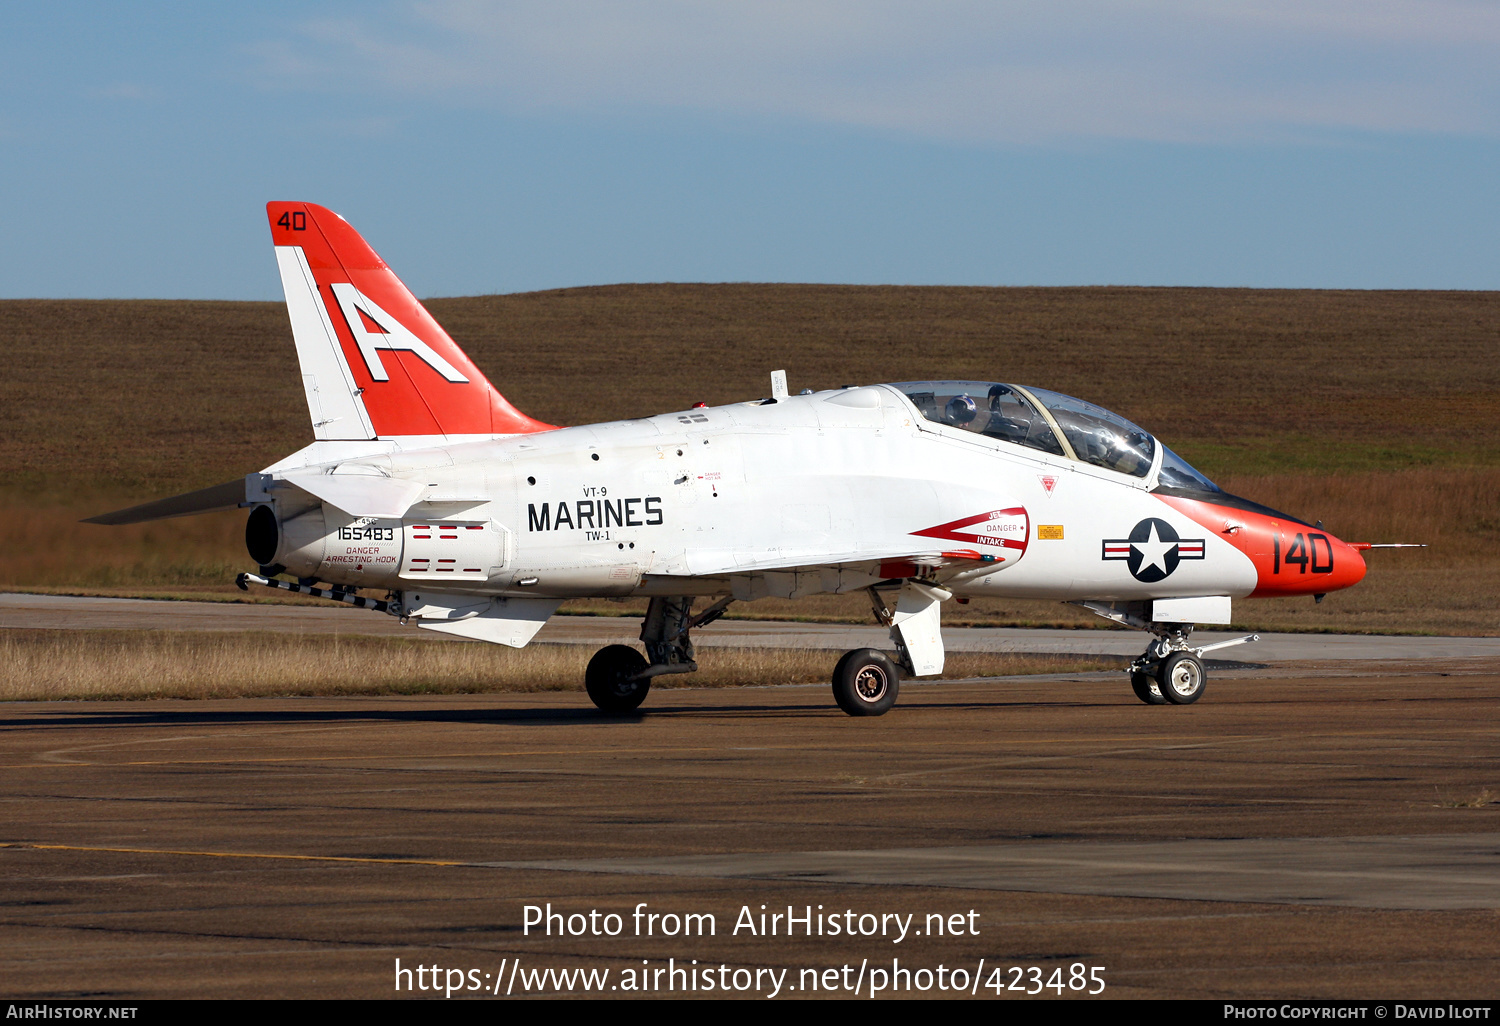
<point x="866" y="680"/>
<point x="618" y="677"/>
<point x="614" y="681"/>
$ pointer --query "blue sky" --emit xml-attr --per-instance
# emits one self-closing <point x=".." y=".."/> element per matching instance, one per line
<point x="503" y="147"/>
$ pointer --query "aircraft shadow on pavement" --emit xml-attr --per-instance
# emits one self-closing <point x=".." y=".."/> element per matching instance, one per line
<point x="550" y="716"/>
<point x="585" y="715"/>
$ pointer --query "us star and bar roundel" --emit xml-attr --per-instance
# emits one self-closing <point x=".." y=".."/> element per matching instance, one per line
<point x="1153" y="550"/>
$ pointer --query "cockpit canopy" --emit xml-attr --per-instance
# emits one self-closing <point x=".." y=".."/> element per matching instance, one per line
<point x="1054" y="423"/>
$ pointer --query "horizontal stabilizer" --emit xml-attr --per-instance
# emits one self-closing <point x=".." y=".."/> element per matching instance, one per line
<point x="360" y="495"/>
<point x="206" y="500"/>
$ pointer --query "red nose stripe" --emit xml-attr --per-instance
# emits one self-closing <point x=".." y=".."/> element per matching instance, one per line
<point x="1290" y="558"/>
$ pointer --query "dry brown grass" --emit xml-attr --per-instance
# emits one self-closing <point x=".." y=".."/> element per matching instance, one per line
<point x="56" y="665"/>
<point x="1455" y="512"/>
<point x="48" y="547"/>
<point x="1378" y="412"/>
<point x="136" y="398"/>
<point x="1263" y="376"/>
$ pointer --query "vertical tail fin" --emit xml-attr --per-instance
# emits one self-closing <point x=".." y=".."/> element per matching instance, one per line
<point x="374" y="362"/>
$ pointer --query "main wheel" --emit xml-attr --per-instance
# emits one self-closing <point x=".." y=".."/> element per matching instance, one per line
<point x="609" y="679"/>
<point x="1182" y="678"/>
<point x="865" y="682"/>
<point x="1146" y="689"/>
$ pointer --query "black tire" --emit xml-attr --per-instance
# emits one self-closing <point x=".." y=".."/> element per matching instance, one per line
<point x="1182" y="678"/>
<point x="609" y="679"/>
<point x="865" y="683"/>
<point x="1146" y="688"/>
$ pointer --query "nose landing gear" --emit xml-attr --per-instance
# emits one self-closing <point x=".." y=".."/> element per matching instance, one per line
<point x="1170" y="671"/>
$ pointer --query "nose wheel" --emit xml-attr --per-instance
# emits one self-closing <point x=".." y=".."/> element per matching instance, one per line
<point x="1168" y="672"/>
<point x="1181" y="678"/>
<point x="1168" y="676"/>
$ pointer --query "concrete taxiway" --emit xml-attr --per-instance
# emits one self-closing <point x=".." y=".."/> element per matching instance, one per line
<point x="66" y="612"/>
<point x="1292" y="835"/>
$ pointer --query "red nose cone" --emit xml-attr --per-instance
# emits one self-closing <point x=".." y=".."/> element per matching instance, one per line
<point x="1302" y="560"/>
<point x="1290" y="558"/>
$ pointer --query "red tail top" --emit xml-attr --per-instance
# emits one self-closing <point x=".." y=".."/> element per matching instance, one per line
<point x="406" y="373"/>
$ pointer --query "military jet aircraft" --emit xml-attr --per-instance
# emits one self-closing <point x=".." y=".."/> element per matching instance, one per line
<point x="477" y="521"/>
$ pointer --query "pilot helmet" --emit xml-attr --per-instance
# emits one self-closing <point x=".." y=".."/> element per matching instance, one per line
<point x="961" y="409"/>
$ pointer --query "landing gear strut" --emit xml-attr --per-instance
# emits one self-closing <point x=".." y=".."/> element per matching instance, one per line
<point x="618" y="677"/>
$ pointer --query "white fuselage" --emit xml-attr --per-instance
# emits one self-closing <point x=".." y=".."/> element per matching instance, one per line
<point x="812" y="493"/>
